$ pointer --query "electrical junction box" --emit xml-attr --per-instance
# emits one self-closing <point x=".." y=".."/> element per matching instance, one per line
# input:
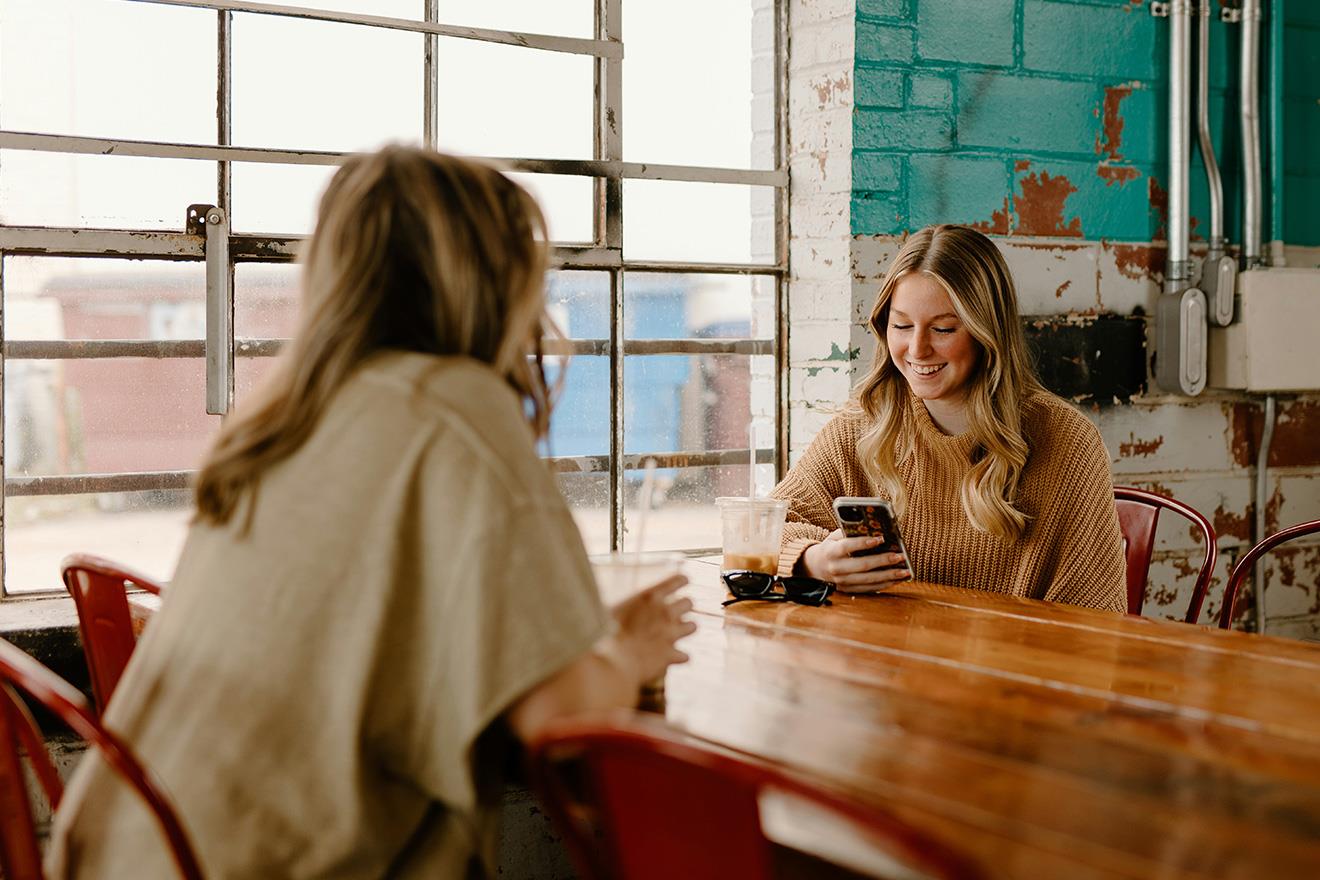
<point x="1274" y="345"/>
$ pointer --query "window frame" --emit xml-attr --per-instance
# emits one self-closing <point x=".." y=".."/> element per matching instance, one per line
<point x="603" y="254"/>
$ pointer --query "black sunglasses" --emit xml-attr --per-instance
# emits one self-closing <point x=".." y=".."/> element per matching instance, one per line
<point x="759" y="585"/>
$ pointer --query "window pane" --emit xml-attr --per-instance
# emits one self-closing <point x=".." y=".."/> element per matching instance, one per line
<point x="249" y="373"/>
<point x="107" y="192"/>
<point x="277" y="199"/>
<point x="673" y="306"/>
<point x="265" y="300"/>
<point x="108" y="415"/>
<point x="143" y="530"/>
<point x="683" y="515"/>
<point x="567" y="203"/>
<point x="69" y="298"/>
<point x="316" y="85"/>
<point x="695" y="222"/>
<point x="119" y="70"/>
<point x="506" y="101"/>
<point x="589" y="497"/>
<point x="696" y="403"/>
<point x="567" y="18"/>
<point x="711" y="89"/>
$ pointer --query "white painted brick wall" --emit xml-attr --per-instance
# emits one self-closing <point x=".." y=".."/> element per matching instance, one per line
<point x="820" y="171"/>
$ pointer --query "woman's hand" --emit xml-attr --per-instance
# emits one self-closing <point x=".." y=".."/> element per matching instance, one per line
<point x="834" y="560"/>
<point x="648" y="626"/>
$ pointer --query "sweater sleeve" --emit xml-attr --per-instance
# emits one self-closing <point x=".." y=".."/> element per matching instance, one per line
<point x="811" y="486"/>
<point x="1091" y="570"/>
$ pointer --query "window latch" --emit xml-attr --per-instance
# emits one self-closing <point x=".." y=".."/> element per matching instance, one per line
<point x="211" y="222"/>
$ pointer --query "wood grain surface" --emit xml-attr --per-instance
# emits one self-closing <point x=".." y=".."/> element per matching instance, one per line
<point x="1045" y="740"/>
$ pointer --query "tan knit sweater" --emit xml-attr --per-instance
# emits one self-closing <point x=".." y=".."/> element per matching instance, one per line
<point x="1071" y="550"/>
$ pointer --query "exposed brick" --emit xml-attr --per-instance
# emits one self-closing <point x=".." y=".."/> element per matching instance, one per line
<point x="902" y="130"/>
<point x="1026" y="113"/>
<point x="947" y="188"/>
<point x="878" y="87"/>
<point x="884" y="43"/>
<point x="966" y="33"/>
<point x="931" y="90"/>
<point x="874" y="172"/>
<point x="1099" y="41"/>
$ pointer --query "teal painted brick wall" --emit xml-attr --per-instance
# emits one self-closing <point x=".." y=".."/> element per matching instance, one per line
<point x="1047" y="117"/>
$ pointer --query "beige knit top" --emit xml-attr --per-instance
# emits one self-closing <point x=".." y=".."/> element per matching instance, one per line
<point x="1071" y="551"/>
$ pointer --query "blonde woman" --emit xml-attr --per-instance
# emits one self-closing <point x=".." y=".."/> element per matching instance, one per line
<point x="998" y="484"/>
<point x="383" y="589"/>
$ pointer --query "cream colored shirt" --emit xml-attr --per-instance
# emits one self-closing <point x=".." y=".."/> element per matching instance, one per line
<point x="321" y="697"/>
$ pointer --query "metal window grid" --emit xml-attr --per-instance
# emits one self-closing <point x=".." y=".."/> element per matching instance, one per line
<point x="605" y="253"/>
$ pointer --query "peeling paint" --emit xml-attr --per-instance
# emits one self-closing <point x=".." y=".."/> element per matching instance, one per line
<point x="838" y="354"/>
<point x="999" y="222"/>
<point x="1112" y="123"/>
<point x="1229" y="524"/>
<point x="1134" y="447"/>
<point x="1295" y="431"/>
<point x="828" y="87"/>
<point x="1120" y="174"/>
<point x="1039" y="208"/>
<point x="1159" y="203"/>
<point x="1140" y="261"/>
<point x="1058" y="291"/>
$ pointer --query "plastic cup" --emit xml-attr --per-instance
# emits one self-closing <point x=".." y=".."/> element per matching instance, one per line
<point x="620" y="576"/>
<point x="753" y="528"/>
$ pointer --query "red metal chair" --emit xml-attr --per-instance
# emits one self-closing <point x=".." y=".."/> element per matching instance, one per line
<point x="100" y="593"/>
<point x="635" y="801"/>
<point x="1138" y="514"/>
<point x="20" y="855"/>
<point x="1244" y="566"/>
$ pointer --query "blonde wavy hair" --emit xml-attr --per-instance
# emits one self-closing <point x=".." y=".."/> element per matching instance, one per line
<point x="413" y="250"/>
<point x="972" y="271"/>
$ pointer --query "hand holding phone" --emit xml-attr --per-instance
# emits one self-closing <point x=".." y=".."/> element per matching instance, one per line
<point x="866" y="554"/>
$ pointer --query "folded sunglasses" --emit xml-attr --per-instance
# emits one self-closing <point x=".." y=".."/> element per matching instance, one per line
<point x="746" y="585"/>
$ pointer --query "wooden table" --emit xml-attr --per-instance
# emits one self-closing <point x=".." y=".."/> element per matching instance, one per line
<point x="141" y="607"/>
<point x="1045" y="740"/>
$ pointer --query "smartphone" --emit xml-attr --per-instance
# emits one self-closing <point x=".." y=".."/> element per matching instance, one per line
<point x="870" y="518"/>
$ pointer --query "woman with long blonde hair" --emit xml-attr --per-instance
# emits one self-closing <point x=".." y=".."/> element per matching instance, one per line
<point x="383" y="589"/>
<point x="998" y="485"/>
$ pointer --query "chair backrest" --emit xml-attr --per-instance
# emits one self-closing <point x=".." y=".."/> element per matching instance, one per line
<point x="99" y="591"/>
<point x="636" y="801"/>
<point x="1242" y="570"/>
<point x="19" y="855"/>
<point x="1138" y="514"/>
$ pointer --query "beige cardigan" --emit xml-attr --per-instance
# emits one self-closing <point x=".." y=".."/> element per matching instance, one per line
<point x="1071" y="551"/>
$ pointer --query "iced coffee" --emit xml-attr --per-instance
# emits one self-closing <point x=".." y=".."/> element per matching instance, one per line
<point x="752" y="531"/>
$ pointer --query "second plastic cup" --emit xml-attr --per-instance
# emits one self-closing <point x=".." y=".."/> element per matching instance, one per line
<point x="621" y="576"/>
<point x="753" y="528"/>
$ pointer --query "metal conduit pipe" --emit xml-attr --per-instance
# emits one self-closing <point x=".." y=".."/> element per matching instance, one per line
<point x="1179" y="272"/>
<point x="1219" y="274"/>
<point x="1180" y="318"/>
<point x="1277" y="20"/>
<point x="1249" y="107"/>
<point x="1262" y="499"/>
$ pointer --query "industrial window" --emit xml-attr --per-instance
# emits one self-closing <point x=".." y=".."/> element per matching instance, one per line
<point x="159" y="166"/>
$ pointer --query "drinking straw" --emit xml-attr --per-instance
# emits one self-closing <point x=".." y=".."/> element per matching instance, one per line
<point x="644" y="503"/>
<point x="751" y="479"/>
<point x="751" y="462"/>
<point x="644" y="508"/>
